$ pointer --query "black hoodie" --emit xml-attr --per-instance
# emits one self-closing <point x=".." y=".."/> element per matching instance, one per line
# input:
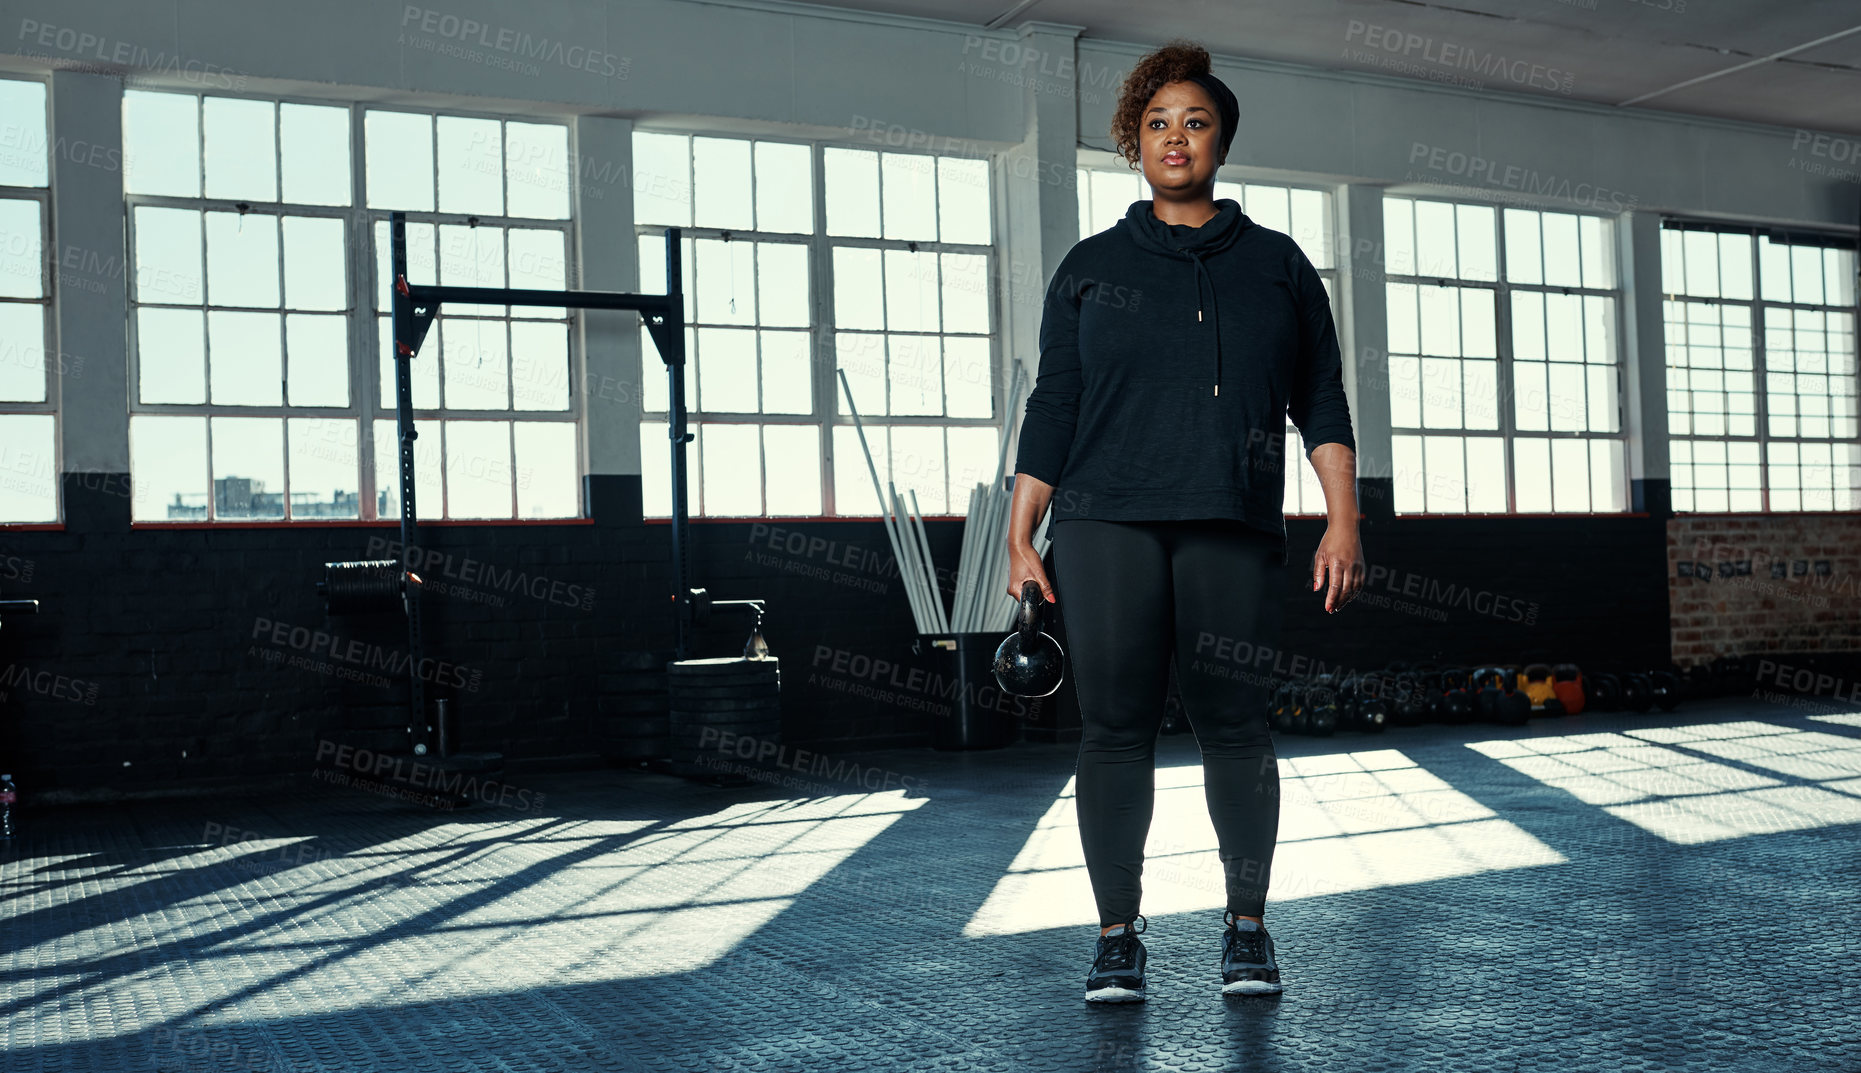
<point x="1170" y="357"/>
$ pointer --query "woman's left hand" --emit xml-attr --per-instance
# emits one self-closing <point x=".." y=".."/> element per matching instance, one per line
<point x="1339" y="563"/>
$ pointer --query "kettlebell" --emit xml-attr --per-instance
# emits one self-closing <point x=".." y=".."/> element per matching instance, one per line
<point x="1029" y="662"/>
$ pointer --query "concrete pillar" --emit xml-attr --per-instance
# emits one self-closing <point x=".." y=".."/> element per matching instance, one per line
<point x="1644" y="361"/>
<point x="607" y="259"/>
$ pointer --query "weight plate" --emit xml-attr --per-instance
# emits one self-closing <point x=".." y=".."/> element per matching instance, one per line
<point x="699" y="668"/>
<point x="721" y="704"/>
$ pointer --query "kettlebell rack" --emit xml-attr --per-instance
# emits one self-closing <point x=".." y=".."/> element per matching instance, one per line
<point x="413" y="307"/>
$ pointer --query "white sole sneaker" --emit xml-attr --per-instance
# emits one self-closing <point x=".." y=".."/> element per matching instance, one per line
<point x="1252" y="987"/>
<point x="1114" y="994"/>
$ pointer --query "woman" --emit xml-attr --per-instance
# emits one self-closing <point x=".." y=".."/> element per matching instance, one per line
<point x="1173" y="346"/>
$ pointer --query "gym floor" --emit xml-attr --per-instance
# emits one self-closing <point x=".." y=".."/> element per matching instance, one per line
<point x="1667" y="891"/>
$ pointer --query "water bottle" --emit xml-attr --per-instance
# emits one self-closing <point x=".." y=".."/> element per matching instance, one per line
<point x="9" y="795"/>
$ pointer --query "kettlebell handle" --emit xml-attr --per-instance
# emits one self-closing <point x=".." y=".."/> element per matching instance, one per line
<point x="1031" y="603"/>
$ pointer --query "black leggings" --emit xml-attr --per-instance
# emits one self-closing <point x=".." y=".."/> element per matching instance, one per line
<point x="1134" y="596"/>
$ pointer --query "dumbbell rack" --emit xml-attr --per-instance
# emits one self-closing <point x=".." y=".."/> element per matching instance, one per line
<point x="413" y="308"/>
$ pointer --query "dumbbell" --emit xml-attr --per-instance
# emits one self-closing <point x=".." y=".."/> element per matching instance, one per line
<point x="1567" y="683"/>
<point x="1604" y="692"/>
<point x="1637" y="692"/>
<point x="1666" y="689"/>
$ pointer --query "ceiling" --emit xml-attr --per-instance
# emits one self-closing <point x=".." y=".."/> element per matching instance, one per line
<point x="1790" y="63"/>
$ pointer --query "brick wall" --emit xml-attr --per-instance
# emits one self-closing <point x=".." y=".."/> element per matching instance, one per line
<point x="1763" y="584"/>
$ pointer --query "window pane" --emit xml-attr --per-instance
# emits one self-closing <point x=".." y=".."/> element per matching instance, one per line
<point x="316" y="348"/>
<point x="325" y="467"/>
<point x="537" y="170"/>
<point x="852" y="192"/>
<point x="168" y="456"/>
<point x="1531" y="466"/>
<point x="242" y="259"/>
<point x="911" y="291"/>
<point x="909" y="187"/>
<point x="22" y="257"/>
<point x="315" y="147"/>
<point x="168" y="256"/>
<point x="733" y="467"/>
<point x="29" y="492"/>
<point x="858" y="288"/>
<point x="1479" y="254"/>
<point x="783" y="298"/>
<point x="1434" y="239"/>
<point x="241" y="138"/>
<point x="1563" y="264"/>
<point x="539" y="353"/>
<point x="1486" y="476"/>
<point x="726" y="370"/>
<point x="721" y="168"/>
<point x="662" y="181"/>
<point x="23" y="163"/>
<point x="726" y="281"/>
<point x="787" y="386"/>
<point x="853" y="493"/>
<point x="1524" y="255"/>
<point x="23" y="365"/>
<point x="245" y="365"/>
<point x="171" y="355"/>
<point x="471" y="165"/>
<point x="784" y="188"/>
<point x="963" y="204"/>
<point x="967" y="379"/>
<point x="1702" y="263"/>
<point x="793" y="455"/>
<point x="476" y="361"/>
<point x="914" y="373"/>
<point x="399" y="160"/>
<point x="1399" y="235"/>
<point x="965" y="292"/>
<point x="248" y="467"/>
<point x="1597" y="238"/>
<point x="478" y="469"/>
<point x="1311" y="226"/>
<point x="161" y="143"/>
<point x="316" y="271"/>
<point x="548" y="479"/>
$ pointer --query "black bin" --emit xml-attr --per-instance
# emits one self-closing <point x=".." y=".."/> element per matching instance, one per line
<point x="974" y="712"/>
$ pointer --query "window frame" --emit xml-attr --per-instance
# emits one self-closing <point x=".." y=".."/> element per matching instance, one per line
<point x="1504" y="381"/>
<point x="822" y="329"/>
<point x="1757" y="304"/>
<point x="52" y="358"/>
<point x="362" y="332"/>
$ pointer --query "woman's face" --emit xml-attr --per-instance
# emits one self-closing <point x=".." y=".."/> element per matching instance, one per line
<point x="1179" y="139"/>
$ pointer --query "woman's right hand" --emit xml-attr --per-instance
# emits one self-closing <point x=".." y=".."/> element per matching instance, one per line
<point x="1024" y="563"/>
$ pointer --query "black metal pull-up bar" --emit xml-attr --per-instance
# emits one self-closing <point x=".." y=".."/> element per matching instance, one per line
<point x="415" y="305"/>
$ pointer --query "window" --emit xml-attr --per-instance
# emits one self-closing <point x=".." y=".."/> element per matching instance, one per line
<point x="1760" y="369"/>
<point x="1304" y="213"/>
<point x="252" y="400"/>
<point x="29" y="366"/>
<point x="1505" y="375"/>
<point x="880" y="269"/>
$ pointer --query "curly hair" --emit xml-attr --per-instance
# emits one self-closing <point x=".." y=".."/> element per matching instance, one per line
<point x="1175" y="61"/>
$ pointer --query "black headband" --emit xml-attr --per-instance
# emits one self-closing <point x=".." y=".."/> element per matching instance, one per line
<point x="1225" y="105"/>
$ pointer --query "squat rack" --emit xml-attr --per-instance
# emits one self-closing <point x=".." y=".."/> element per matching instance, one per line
<point x="414" y="306"/>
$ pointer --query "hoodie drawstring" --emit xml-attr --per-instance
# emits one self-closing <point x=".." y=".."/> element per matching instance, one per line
<point x="1200" y="273"/>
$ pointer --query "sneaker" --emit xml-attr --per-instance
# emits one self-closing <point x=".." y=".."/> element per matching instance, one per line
<point x="1118" y="967"/>
<point x="1247" y="963"/>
